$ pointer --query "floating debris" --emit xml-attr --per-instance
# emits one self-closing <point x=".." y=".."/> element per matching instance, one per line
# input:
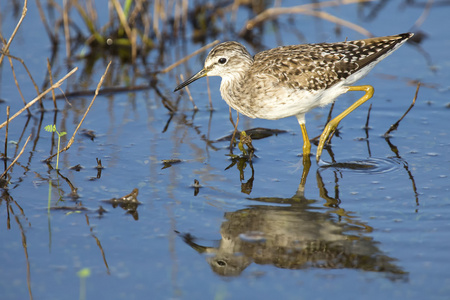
<point x="99" y="163"/>
<point x="169" y="162"/>
<point x="77" y="207"/>
<point x="101" y="210"/>
<point x="129" y="198"/>
<point x="88" y="133"/>
<point x="196" y="187"/>
<point x="128" y="202"/>
<point x="77" y="168"/>
<point x="99" y="168"/>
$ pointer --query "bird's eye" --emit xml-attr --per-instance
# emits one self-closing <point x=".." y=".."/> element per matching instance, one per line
<point x="221" y="263"/>
<point x="222" y="60"/>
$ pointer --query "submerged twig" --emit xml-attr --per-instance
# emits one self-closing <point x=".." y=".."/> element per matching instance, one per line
<point x="97" y="240"/>
<point x="69" y="144"/>
<point x="41" y="95"/>
<point x="368" y="117"/>
<point x="73" y="190"/>
<point x="366" y="129"/>
<point x="406" y="167"/>
<point x="396" y="124"/>
<point x="17" y="157"/>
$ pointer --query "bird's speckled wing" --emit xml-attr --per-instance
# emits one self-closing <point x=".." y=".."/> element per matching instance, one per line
<point x="319" y="66"/>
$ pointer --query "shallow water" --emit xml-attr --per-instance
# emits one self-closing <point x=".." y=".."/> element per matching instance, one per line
<point x="370" y="219"/>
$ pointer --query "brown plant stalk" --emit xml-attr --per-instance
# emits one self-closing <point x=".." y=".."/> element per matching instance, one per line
<point x="6" y="47"/>
<point x="308" y="9"/>
<point x="69" y="144"/>
<point x="176" y="64"/>
<point x="41" y="95"/>
<point x="17" y="157"/>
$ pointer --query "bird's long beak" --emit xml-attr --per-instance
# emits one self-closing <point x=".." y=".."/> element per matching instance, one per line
<point x="199" y="75"/>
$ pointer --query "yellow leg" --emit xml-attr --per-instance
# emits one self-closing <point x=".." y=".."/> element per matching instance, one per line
<point x="333" y="124"/>
<point x="306" y="142"/>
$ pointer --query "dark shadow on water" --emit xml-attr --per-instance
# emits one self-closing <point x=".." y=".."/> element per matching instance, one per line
<point x="296" y="233"/>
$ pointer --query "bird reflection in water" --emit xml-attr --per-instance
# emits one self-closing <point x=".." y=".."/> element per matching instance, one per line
<point x="300" y="234"/>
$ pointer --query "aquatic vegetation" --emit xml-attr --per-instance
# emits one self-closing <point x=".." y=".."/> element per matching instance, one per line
<point x="52" y="128"/>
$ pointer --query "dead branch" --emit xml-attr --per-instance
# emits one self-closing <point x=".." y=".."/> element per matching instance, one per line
<point x="41" y="95"/>
<point x="6" y="47"/>
<point x="69" y="144"/>
<point x="17" y="83"/>
<point x="307" y="9"/>
<point x="17" y="157"/>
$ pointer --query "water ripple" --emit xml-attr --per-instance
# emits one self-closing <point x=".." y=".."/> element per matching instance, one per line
<point x="372" y="165"/>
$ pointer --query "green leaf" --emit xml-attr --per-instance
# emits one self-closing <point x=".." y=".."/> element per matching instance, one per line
<point x="50" y="128"/>
<point x="73" y="212"/>
<point x="62" y="133"/>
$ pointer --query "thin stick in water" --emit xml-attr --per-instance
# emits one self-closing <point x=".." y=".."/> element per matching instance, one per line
<point x="69" y="144"/>
<point x="17" y="157"/>
<point x="49" y="68"/>
<point x="307" y="9"/>
<point x="368" y="117"/>
<point x="17" y="84"/>
<point x="41" y="95"/>
<point x="6" y="47"/>
<point x="396" y="124"/>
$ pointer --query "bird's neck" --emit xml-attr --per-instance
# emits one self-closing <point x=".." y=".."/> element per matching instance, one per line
<point x="231" y="89"/>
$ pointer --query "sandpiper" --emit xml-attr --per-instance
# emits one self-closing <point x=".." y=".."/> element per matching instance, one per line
<point x="292" y="80"/>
